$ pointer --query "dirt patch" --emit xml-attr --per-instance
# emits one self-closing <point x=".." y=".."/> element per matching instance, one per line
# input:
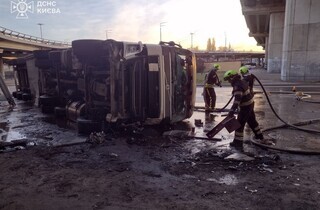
<point x="150" y="174"/>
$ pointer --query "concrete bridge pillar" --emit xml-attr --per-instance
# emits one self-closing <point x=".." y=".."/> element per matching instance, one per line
<point x="1" y="68"/>
<point x="275" y="42"/>
<point x="266" y="48"/>
<point x="301" y="44"/>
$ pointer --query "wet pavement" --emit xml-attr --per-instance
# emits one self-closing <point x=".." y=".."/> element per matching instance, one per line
<point x="286" y="105"/>
<point x="26" y="123"/>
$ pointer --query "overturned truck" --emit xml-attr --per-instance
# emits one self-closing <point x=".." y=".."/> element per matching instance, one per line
<point x="101" y="82"/>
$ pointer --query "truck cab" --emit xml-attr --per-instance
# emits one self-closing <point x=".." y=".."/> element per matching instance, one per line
<point x="130" y="82"/>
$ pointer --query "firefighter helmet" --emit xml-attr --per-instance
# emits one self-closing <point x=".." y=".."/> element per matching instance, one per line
<point x="230" y="74"/>
<point x="243" y="70"/>
<point x="216" y="66"/>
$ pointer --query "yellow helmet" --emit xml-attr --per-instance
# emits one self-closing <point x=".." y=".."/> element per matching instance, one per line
<point x="216" y="66"/>
<point x="230" y="74"/>
<point x="243" y="70"/>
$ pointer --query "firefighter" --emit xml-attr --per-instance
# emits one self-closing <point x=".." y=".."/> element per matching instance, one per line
<point x="243" y="99"/>
<point x="209" y="94"/>
<point x="244" y="71"/>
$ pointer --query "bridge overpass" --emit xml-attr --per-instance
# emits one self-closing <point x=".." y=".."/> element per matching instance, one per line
<point x="14" y="44"/>
<point x="258" y="58"/>
<point x="289" y="32"/>
<point x="229" y="55"/>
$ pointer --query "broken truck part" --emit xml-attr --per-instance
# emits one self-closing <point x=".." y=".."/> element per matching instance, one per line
<point x="230" y="123"/>
<point x="98" y="82"/>
<point x="6" y="92"/>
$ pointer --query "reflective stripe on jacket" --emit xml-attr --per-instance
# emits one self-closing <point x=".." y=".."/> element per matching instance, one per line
<point x="242" y="94"/>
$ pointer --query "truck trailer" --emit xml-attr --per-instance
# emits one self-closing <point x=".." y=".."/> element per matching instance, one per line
<point x="99" y="82"/>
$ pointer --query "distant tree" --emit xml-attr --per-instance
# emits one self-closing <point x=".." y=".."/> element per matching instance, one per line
<point x="230" y="48"/>
<point x="209" y="45"/>
<point x="222" y="49"/>
<point x="194" y="48"/>
<point x="213" y="45"/>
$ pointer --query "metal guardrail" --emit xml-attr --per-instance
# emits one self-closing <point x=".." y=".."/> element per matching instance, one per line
<point x="29" y="38"/>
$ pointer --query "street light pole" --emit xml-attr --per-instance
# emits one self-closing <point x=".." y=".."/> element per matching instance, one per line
<point x="40" y="24"/>
<point x="107" y="31"/>
<point x="191" y="40"/>
<point x="161" y="24"/>
<point x="225" y="45"/>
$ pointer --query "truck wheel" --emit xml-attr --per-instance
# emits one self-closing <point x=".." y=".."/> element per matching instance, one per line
<point x="47" y="109"/>
<point x="86" y="127"/>
<point x="66" y="59"/>
<point x="48" y="100"/>
<point x="55" y="56"/>
<point x="88" y="50"/>
<point x="19" y="95"/>
<point x="59" y="112"/>
<point x="26" y="97"/>
<point x="43" y="63"/>
<point x="14" y="94"/>
<point x="41" y="54"/>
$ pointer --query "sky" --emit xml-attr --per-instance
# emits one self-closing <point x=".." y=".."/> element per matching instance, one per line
<point x="187" y="22"/>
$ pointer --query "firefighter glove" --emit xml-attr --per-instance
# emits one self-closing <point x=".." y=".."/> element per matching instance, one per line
<point x="231" y="114"/>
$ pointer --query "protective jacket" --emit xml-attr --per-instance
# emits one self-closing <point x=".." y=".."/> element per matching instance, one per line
<point x="250" y="79"/>
<point x="209" y="94"/>
<point x="212" y="78"/>
<point x="243" y="99"/>
<point x="242" y="94"/>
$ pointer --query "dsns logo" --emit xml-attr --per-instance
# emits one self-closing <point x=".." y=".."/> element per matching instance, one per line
<point x="22" y="8"/>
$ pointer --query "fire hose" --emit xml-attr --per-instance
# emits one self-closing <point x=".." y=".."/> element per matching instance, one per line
<point x="286" y="124"/>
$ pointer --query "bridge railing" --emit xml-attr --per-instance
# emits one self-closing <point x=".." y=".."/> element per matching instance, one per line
<point x="29" y="38"/>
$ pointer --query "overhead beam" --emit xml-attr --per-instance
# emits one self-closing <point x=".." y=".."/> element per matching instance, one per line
<point x="262" y="10"/>
<point x="29" y="43"/>
<point x="258" y="34"/>
<point x="8" y="45"/>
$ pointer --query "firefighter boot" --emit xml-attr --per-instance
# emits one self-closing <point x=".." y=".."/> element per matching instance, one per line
<point x="259" y="138"/>
<point x="237" y="144"/>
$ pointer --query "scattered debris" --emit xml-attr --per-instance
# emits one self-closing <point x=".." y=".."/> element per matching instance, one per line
<point x="239" y="157"/>
<point x="198" y="122"/>
<point x="265" y="167"/>
<point x="113" y="155"/>
<point x="252" y="191"/>
<point x="13" y="143"/>
<point x="228" y="179"/>
<point x="177" y="133"/>
<point x="97" y="137"/>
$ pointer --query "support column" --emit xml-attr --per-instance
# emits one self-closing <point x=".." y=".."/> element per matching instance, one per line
<point x="1" y="68"/>
<point x="266" y="49"/>
<point x="275" y="42"/>
<point x="301" y="44"/>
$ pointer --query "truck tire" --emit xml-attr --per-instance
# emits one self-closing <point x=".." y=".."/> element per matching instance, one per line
<point x="43" y="63"/>
<point x="66" y="59"/>
<point x="14" y="94"/>
<point x="86" y="127"/>
<point x="41" y="54"/>
<point x="19" y="95"/>
<point x="48" y="100"/>
<point x="26" y="97"/>
<point x="55" y="56"/>
<point x="88" y="50"/>
<point x="60" y="112"/>
<point x="47" y="109"/>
